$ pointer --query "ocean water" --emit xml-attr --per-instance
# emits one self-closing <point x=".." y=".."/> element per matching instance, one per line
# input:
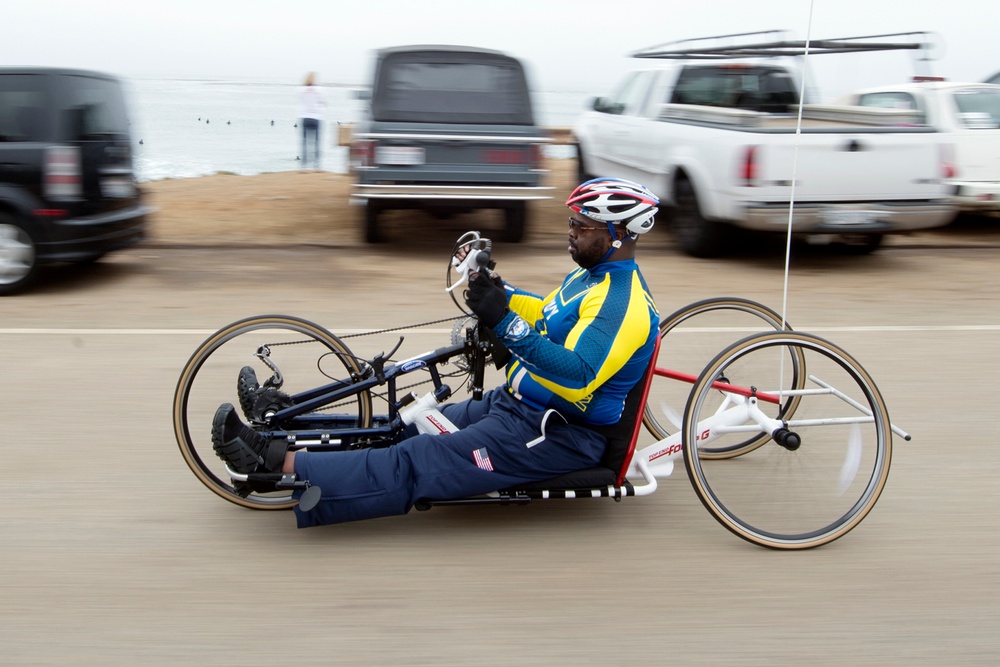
<point x="190" y="128"/>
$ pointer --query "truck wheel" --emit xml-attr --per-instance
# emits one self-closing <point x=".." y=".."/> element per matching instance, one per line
<point x="695" y="235"/>
<point x="861" y="244"/>
<point x="581" y="167"/>
<point x="515" y="216"/>
<point x="18" y="257"/>
<point x="372" y="233"/>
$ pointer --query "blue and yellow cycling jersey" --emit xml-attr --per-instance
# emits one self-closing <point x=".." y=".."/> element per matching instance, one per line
<point x="584" y="346"/>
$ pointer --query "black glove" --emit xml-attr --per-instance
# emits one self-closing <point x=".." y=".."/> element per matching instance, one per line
<point x="487" y="298"/>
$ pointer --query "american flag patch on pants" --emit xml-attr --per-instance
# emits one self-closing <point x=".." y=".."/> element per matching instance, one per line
<point x="482" y="459"/>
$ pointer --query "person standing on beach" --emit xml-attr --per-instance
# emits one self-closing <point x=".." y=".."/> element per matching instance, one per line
<point x="311" y="105"/>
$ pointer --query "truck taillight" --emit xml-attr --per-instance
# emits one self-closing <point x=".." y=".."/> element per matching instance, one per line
<point x="530" y="157"/>
<point x="63" y="173"/>
<point x="363" y="153"/>
<point x="505" y="156"/>
<point x="749" y="167"/>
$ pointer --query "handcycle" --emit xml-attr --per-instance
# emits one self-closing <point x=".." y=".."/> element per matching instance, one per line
<point x="784" y="436"/>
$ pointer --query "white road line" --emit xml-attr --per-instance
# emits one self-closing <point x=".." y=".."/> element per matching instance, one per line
<point x="33" y="331"/>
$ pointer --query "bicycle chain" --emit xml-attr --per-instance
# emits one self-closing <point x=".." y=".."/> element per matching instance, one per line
<point x="372" y="333"/>
<point x="405" y="326"/>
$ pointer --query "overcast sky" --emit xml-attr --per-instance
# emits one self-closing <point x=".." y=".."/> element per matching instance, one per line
<point x="567" y="44"/>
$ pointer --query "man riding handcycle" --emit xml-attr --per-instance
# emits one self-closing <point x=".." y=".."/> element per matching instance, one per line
<point x="573" y="357"/>
<point x="784" y="436"/>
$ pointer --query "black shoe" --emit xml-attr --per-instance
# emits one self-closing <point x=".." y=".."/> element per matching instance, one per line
<point x="247" y="388"/>
<point x="258" y="402"/>
<point x="242" y="448"/>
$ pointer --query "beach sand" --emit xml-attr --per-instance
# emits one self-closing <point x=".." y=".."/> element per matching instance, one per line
<point x="311" y="208"/>
<point x="301" y="207"/>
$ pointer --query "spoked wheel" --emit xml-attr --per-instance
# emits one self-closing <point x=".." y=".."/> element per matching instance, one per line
<point x="813" y="488"/>
<point x="307" y="357"/>
<point x="691" y="337"/>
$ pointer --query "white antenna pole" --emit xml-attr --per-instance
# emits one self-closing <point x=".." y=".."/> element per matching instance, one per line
<point x="795" y="165"/>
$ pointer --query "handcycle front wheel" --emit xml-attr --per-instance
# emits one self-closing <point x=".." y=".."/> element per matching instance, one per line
<point x="808" y="491"/>
<point x="690" y="338"/>
<point x="307" y="356"/>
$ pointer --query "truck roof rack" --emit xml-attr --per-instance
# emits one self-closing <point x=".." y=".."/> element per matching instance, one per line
<point x="738" y="45"/>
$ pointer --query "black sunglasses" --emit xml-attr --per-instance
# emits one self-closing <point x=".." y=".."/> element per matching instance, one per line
<point x="581" y="227"/>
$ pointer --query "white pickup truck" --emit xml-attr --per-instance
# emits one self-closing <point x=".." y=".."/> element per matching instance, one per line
<point x="968" y="115"/>
<point x="721" y="141"/>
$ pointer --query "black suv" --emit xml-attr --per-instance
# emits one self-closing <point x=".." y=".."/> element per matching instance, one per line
<point x="67" y="186"/>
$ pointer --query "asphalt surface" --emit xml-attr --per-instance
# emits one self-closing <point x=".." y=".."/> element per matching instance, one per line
<point x="111" y="552"/>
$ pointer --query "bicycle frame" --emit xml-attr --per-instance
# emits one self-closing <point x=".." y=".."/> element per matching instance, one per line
<point x="305" y="426"/>
<point x="739" y="412"/>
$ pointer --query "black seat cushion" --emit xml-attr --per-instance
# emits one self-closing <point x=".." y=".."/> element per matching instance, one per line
<point x="578" y="479"/>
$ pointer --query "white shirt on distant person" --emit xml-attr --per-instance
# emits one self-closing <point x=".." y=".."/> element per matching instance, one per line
<point x="312" y="102"/>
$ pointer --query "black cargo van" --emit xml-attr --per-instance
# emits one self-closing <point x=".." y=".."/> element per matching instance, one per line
<point x="67" y="185"/>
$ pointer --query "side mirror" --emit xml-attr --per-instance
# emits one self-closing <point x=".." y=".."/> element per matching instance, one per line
<point x="600" y="104"/>
<point x="363" y="94"/>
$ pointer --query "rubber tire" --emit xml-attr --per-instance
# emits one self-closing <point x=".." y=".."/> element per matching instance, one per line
<point x="582" y="176"/>
<point x="223" y="487"/>
<point x="16" y="239"/>
<point x="372" y="232"/>
<point x="515" y="217"/>
<point x="769" y="318"/>
<point x="715" y="502"/>
<point x="860" y="247"/>
<point x="695" y="235"/>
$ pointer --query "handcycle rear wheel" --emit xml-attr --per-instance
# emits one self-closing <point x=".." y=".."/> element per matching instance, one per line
<point x="788" y="497"/>
<point x="697" y="333"/>
<point x="307" y="355"/>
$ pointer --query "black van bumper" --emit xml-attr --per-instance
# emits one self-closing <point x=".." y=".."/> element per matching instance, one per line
<point x="77" y="239"/>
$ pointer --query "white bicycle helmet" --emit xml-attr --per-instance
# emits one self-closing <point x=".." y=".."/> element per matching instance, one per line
<point x="616" y="201"/>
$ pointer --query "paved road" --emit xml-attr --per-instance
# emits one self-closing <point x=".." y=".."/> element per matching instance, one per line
<point x="112" y="553"/>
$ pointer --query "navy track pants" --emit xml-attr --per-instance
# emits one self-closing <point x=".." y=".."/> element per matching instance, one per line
<point x="502" y="442"/>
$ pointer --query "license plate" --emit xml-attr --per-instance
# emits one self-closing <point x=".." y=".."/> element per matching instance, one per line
<point x="849" y="217"/>
<point x="117" y="188"/>
<point x="399" y="155"/>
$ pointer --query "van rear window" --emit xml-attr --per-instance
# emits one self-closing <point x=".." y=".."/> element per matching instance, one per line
<point x="93" y="107"/>
<point x="451" y="88"/>
<point x="23" y="108"/>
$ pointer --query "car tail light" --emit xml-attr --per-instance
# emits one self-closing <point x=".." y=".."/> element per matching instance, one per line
<point x="63" y="173"/>
<point x="363" y="153"/>
<point x="505" y="156"/>
<point x="748" y="170"/>
<point x="531" y="157"/>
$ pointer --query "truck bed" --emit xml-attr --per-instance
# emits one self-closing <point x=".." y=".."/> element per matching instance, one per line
<point x="815" y="117"/>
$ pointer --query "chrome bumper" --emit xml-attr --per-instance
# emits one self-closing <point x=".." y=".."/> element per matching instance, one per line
<point x="980" y="196"/>
<point x="361" y="192"/>
<point x="878" y="217"/>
